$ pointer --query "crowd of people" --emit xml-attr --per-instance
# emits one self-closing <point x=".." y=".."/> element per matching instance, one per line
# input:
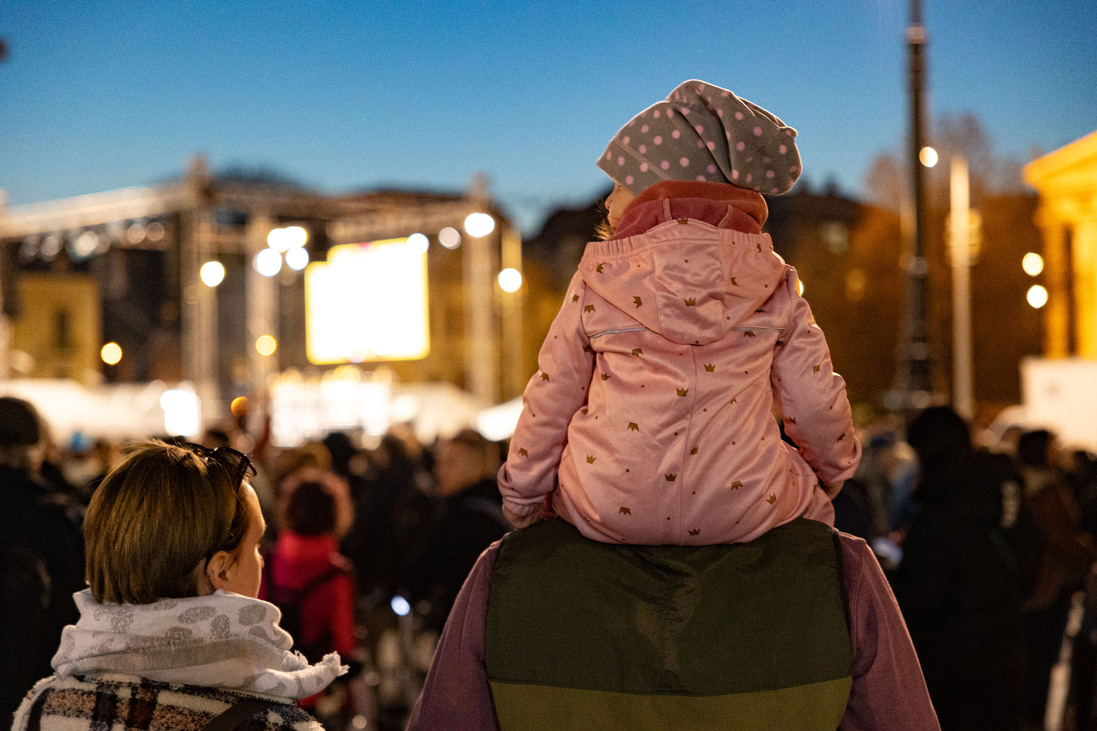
<point x="987" y="549"/>
<point x="348" y="529"/>
<point x="652" y="549"/>
<point x="988" y="544"/>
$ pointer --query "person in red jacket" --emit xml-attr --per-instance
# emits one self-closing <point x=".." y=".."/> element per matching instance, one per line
<point x="305" y="576"/>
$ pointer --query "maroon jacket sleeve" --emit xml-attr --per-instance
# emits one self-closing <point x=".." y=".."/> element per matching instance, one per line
<point x="888" y="688"/>
<point x="456" y="694"/>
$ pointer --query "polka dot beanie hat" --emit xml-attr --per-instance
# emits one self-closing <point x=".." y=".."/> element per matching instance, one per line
<point x="703" y="132"/>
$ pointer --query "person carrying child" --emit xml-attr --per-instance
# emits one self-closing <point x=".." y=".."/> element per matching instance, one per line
<point x="651" y="419"/>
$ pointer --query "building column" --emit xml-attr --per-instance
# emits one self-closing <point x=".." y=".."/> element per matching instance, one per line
<point x="513" y="343"/>
<point x="1056" y="267"/>
<point x="479" y="265"/>
<point x="481" y="337"/>
<point x="261" y="298"/>
<point x="5" y="321"/>
<point x="5" y="342"/>
<point x="1084" y="248"/>
<point x="199" y="310"/>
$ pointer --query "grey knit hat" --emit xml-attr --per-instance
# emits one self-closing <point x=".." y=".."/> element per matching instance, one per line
<point x="704" y="132"/>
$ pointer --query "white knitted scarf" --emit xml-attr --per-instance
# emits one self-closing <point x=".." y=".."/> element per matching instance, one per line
<point x="223" y="640"/>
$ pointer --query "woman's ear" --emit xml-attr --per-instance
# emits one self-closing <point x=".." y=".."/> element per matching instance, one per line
<point x="219" y="569"/>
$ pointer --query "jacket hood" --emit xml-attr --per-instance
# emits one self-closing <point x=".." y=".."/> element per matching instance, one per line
<point x="696" y="251"/>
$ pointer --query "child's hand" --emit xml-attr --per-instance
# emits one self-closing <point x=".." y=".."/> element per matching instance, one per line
<point x="521" y="521"/>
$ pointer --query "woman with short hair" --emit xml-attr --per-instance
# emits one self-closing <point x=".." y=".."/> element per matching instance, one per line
<point x="171" y="634"/>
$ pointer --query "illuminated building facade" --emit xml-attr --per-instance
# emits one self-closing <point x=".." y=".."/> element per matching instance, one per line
<point x="1066" y="181"/>
<point x="169" y="276"/>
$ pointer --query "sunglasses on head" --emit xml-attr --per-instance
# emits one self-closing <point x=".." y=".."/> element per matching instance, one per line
<point x="227" y="458"/>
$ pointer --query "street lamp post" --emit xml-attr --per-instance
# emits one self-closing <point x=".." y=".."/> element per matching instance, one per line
<point x="914" y="376"/>
<point x="960" y="249"/>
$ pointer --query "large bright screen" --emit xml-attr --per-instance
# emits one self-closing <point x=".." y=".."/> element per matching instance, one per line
<point x="367" y="302"/>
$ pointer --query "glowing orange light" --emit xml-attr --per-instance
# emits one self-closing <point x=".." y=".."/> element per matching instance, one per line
<point x="239" y="406"/>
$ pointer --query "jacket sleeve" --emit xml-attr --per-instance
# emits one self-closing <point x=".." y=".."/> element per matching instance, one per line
<point x="552" y="396"/>
<point x="888" y="690"/>
<point x="811" y="397"/>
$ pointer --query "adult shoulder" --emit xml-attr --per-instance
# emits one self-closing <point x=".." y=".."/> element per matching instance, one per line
<point x="57" y="702"/>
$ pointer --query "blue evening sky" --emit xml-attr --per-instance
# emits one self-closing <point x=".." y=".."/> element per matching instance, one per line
<point x="348" y="96"/>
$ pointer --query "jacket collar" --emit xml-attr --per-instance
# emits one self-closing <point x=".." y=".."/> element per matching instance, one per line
<point x="719" y="204"/>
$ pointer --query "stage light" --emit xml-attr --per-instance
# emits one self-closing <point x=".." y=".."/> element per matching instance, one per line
<point x="510" y="280"/>
<point x="268" y="262"/>
<point x="479" y="224"/>
<point x="266" y="345"/>
<point x="111" y="353"/>
<point x="212" y="273"/>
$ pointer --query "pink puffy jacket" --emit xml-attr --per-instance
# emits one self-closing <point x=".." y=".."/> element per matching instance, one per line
<point x="651" y="417"/>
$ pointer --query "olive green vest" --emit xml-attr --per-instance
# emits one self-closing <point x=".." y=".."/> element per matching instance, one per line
<point x="587" y="635"/>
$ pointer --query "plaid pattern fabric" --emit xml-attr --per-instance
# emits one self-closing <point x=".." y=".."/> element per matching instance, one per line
<point x="129" y="703"/>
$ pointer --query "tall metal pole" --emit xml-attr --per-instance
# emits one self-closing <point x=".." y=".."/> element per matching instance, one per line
<point x="915" y="380"/>
<point x="963" y="399"/>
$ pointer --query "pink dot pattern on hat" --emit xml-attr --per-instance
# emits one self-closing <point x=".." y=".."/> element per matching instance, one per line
<point x="703" y="132"/>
